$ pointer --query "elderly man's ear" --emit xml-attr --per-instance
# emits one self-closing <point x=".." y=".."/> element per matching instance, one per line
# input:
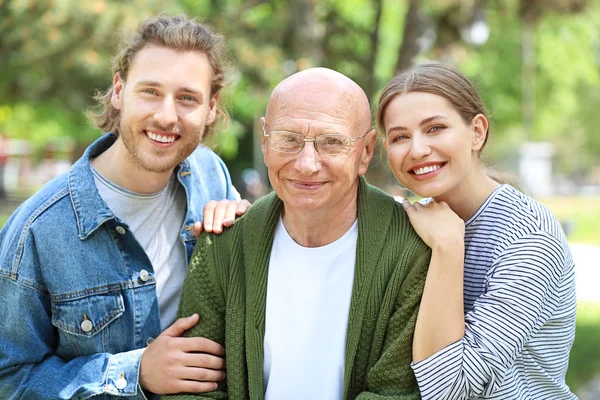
<point x="368" y="150"/>
<point x="263" y="125"/>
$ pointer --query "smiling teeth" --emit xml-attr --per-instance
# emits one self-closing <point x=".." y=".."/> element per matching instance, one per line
<point x="162" y="139"/>
<point x="425" y="170"/>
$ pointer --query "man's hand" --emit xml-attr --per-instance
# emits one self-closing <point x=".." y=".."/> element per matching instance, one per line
<point x="219" y="214"/>
<point x="173" y="364"/>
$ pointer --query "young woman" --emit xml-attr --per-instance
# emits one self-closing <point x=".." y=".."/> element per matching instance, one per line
<point x="497" y="318"/>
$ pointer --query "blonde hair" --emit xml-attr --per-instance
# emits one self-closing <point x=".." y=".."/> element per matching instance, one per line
<point x="174" y="32"/>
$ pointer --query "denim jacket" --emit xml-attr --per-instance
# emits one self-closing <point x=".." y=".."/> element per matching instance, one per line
<point x="77" y="292"/>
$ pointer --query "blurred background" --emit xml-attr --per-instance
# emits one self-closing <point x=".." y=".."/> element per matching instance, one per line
<point x="536" y="64"/>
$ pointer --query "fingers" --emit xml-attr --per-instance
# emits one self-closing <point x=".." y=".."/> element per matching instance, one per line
<point x="202" y="375"/>
<point x="195" y="387"/>
<point x="197" y="229"/>
<point x="219" y="214"/>
<point x="209" y="214"/>
<point x="181" y="325"/>
<point x="410" y="208"/>
<point x="205" y="361"/>
<point x="242" y="207"/>
<point x="228" y="216"/>
<point x="203" y="345"/>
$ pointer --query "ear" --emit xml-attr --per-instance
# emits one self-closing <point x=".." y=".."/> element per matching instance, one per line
<point x="212" y="109"/>
<point x="479" y="129"/>
<point x="263" y="122"/>
<point x="367" y="153"/>
<point x="116" y="99"/>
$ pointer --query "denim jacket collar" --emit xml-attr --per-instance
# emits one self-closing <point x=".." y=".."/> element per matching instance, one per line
<point x="90" y="210"/>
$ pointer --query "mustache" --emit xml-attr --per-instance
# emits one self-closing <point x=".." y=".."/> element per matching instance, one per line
<point x="173" y="128"/>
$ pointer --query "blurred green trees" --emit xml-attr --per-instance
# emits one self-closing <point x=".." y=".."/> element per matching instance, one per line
<point x="538" y="71"/>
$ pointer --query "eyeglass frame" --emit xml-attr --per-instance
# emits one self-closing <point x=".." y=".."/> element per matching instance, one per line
<point x="314" y="141"/>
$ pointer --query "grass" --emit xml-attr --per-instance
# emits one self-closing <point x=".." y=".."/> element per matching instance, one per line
<point x="582" y="213"/>
<point x="584" y="360"/>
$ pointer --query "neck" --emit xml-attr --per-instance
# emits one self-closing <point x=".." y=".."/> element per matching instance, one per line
<point x="117" y="165"/>
<point x="469" y="195"/>
<point x="315" y="228"/>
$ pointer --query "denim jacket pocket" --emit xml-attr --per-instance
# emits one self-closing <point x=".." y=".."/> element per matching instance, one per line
<point x="85" y="324"/>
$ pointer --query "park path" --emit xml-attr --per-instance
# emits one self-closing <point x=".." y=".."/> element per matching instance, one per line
<point x="587" y="272"/>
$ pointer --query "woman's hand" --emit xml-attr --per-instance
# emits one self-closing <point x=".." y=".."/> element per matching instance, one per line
<point x="437" y="225"/>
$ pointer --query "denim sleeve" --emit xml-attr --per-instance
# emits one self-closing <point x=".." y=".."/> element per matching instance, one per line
<point x="29" y="367"/>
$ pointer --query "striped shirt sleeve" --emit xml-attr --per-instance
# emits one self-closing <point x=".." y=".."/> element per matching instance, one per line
<point x="520" y="297"/>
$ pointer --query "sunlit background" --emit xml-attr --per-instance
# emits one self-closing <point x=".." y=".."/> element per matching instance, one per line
<point x="536" y="64"/>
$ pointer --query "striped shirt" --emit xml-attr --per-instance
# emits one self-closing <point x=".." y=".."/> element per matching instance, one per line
<point x="519" y="308"/>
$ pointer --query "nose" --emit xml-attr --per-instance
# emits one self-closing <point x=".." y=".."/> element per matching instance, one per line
<point x="419" y="147"/>
<point x="308" y="160"/>
<point x="166" y="115"/>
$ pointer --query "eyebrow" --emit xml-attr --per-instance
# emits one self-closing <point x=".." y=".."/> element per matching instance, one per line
<point x="184" y="89"/>
<point x="424" y="122"/>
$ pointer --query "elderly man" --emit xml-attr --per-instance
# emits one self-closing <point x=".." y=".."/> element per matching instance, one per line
<point x="314" y="291"/>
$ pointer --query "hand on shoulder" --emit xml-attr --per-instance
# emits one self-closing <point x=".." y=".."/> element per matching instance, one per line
<point x="437" y="225"/>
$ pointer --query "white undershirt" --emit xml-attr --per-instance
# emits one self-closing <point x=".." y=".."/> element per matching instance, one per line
<point x="155" y="220"/>
<point x="308" y="300"/>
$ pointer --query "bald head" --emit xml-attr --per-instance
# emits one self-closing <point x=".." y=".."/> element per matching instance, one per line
<point x="321" y="90"/>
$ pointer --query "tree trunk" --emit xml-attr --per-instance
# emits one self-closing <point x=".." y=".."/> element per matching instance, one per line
<point x="307" y="30"/>
<point x="413" y="29"/>
<point x="369" y="85"/>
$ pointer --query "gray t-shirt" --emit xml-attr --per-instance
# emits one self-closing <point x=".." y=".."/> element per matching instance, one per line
<point x="155" y="220"/>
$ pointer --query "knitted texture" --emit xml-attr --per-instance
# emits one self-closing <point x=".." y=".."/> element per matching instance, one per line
<point x="227" y="285"/>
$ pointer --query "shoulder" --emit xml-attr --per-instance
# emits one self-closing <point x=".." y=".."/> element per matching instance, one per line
<point x="384" y="220"/>
<point x="205" y="159"/>
<point x="43" y="201"/>
<point x="258" y="221"/>
<point x="526" y="233"/>
<point x="206" y="176"/>
<point x="513" y="216"/>
<point x="45" y="210"/>
<point x="386" y="211"/>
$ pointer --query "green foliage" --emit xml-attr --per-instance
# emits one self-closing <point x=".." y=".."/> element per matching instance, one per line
<point x="55" y="53"/>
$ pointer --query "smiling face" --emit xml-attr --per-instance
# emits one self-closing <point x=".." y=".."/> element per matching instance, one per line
<point x="165" y="106"/>
<point x="314" y="103"/>
<point x="431" y="149"/>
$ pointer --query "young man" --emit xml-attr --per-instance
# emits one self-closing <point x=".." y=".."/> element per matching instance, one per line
<point x="91" y="266"/>
<point x="314" y="292"/>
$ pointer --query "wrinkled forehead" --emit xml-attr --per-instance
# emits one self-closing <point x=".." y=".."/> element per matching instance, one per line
<point x="319" y="106"/>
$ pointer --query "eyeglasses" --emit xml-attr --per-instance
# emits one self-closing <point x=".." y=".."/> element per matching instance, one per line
<point x="325" y="144"/>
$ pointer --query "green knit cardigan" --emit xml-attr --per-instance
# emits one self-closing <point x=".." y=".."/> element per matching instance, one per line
<point x="227" y="286"/>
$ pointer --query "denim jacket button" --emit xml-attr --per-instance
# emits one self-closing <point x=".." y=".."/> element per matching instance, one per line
<point x="86" y="325"/>
<point x="144" y="275"/>
<point x="149" y="340"/>
<point x="121" y="383"/>
<point x="121" y="230"/>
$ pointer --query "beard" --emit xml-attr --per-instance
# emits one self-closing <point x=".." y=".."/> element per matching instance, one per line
<point x="155" y="159"/>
